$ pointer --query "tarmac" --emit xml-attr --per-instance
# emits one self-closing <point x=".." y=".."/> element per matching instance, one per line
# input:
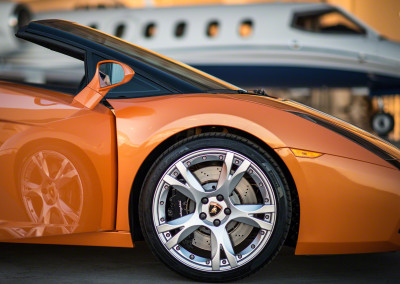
<point x="26" y="263"/>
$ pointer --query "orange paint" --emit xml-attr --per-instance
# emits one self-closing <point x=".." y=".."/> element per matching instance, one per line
<point x="39" y="125"/>
<point x="344" y="207"/>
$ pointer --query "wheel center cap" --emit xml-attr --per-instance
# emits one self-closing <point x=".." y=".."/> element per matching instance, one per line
<point x="214" y="209"/>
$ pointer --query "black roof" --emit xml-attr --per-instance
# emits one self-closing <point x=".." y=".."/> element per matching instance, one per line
<point x="71" y="38"/>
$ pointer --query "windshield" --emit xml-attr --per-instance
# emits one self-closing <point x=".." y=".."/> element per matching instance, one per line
<point x="182" y="71"/>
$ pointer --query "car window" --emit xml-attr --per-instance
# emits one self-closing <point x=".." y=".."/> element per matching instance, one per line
<point x="190" y="75"/>
<point x="328" y="21"/>
<point x="138" y="86"/>
<point x="60" y="72"/>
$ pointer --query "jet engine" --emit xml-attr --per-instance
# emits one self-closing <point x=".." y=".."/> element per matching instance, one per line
<point x="12" y="17"/>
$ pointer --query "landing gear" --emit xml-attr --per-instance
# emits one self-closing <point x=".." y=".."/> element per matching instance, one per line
<point x="382" y="122"/>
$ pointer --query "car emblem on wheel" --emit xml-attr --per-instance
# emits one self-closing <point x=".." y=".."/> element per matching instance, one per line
<point x="214" y="209"/>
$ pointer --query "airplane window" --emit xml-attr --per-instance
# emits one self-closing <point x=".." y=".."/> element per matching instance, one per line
<point x="180" y="29"/>
<point x="212" y="29"/>
<point x="150" y="30"/>
<point x="119" y="31"/>
<point x="328" y="21"/>
<point x="246" y="28"/>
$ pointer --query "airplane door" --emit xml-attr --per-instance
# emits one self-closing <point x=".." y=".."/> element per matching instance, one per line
<point x="331" y="37"/>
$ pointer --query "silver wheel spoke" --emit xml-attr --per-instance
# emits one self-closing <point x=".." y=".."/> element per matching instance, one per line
<point x="175" y="224"/>
<point x="192" y="188"/>
<point x="190" y="179"/>
<point x="182" y="188"/>
<point x="255" y="222"/>
<point x="220" y="239"/>
<point x="243" y="214"/>
<point x="226" y="169"/>
<point x="244" y="209"/>
<point x="181" y="235"/>
<point x="227" y="182"/>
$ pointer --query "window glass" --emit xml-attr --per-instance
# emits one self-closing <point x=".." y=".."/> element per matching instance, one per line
<point x="138" y="86"/>
<point x="150" y="30"/>
<point x="246" y="28"/>
<point x="180" y="29"/>
<point x="331" y="21"/>
<point x="212" y="29"/>
<point x="60" y="73"/>
<point x="120" y="30"/>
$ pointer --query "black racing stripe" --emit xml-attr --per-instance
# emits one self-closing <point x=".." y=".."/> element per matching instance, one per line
<point x="351" y="136"/>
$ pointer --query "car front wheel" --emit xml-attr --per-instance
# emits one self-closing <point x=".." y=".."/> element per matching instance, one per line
<point x="215" y="207"/>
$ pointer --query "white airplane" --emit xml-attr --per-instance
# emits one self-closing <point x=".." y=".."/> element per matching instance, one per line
<point x="255" y="45"/>
<point x="271" y="44"/>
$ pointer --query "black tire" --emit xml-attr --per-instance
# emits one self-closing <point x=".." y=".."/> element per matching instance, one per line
<point x="249" y="150"/>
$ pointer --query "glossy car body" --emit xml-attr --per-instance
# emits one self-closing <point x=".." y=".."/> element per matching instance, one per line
<point x="349" y="195"/>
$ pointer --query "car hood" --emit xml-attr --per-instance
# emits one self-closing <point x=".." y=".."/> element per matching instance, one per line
<point x="357" y="135"/>
<point x="367" y="140"/>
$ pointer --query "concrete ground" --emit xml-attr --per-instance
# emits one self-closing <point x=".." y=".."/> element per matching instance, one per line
<point x="23" y="263"/>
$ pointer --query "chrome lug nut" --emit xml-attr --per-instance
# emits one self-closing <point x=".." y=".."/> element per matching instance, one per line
<point x="204" y="200"/>
<point x="220" y="197"/>
<point x="203" y="215"/>
<point x="217" y="222"/>
<point x="227" y="211"/>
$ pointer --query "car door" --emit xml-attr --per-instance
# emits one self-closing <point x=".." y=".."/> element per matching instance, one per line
<point x="57" y="160"/>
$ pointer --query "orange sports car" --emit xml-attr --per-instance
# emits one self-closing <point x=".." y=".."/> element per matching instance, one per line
<point x="215" y="178"/>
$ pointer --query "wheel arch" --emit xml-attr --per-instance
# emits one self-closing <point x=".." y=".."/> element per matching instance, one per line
<point x="163" y="146"/>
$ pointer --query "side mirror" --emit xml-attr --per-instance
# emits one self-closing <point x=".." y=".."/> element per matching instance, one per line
<point x="109" y="74"/>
